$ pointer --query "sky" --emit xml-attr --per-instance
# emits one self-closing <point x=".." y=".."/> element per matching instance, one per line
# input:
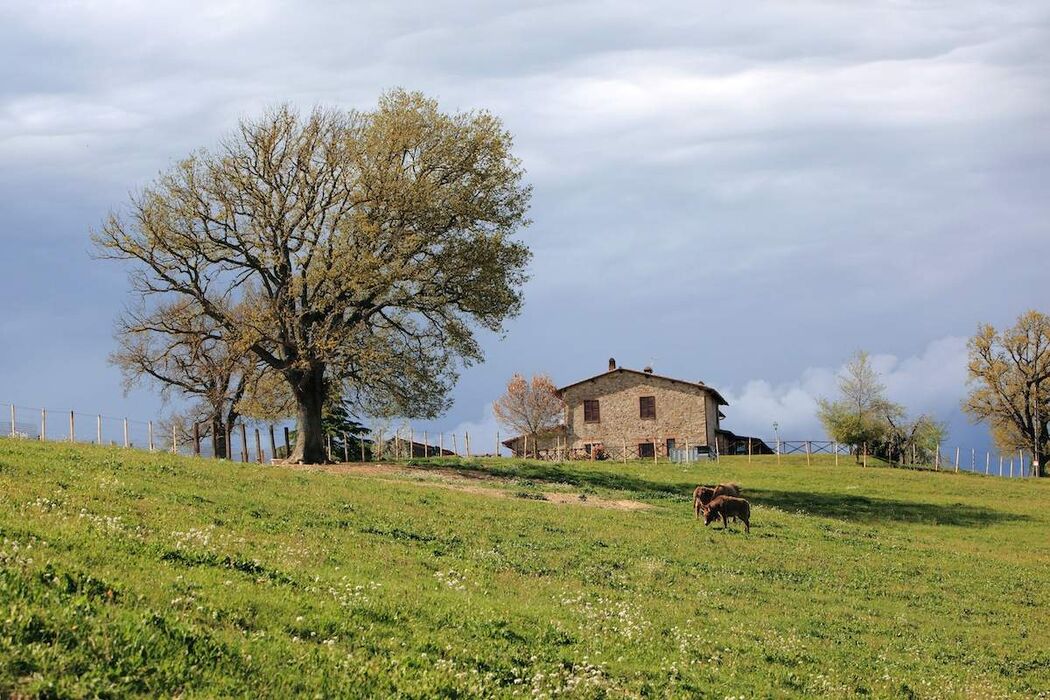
<point x="744" y="194"/>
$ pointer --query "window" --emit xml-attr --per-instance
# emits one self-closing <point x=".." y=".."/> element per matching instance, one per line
<point x="646" y="449"/>
<point x="647" y="407"/>
<point x="590" y="411"/>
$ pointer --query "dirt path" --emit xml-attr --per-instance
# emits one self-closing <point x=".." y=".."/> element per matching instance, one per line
<point x="466" y="481"/>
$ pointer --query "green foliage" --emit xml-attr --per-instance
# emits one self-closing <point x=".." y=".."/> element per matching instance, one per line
<point x="130" y="574"/>
<point x="862" y="416"/>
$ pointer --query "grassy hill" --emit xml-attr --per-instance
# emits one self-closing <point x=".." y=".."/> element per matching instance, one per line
<point x="126" y="573"/>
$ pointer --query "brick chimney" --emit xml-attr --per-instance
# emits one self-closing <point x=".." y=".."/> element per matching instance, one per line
<point x="612" y="363"/>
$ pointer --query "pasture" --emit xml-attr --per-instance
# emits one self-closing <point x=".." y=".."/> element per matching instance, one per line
<point x="127" y="573"/>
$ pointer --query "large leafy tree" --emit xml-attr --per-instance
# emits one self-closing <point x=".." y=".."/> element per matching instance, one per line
<point x="371" y="244"/>
<point x="1009" y="375"/>
<point x="530" y="407"/>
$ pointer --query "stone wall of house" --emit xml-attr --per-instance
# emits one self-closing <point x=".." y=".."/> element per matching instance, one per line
<point x="683" y="412"/>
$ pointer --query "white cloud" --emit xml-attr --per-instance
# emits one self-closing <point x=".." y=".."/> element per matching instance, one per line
<point x="932" y="382"/>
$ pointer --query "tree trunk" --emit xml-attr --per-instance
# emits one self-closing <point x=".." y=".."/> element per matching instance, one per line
<point x="218" y="438"/>
<point x="309" y="391"/>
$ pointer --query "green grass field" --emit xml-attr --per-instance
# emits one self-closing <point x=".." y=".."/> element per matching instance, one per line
<point x="125" y="573"/>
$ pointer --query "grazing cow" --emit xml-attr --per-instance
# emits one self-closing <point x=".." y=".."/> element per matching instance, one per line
<point x="702" y="495"/>
<point x="726" y="507"/>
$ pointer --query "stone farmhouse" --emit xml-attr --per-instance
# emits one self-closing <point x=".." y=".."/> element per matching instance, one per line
<point x="640" y="412"/>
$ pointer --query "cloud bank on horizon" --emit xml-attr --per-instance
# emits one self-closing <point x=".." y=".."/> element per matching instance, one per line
<point x="737" y="193"/>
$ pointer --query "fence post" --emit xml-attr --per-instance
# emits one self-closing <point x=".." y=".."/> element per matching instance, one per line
<point x="466" y="443"/>
<point x="174" y="440"/>
<point x="956" y="460"/>
<point x="346" y="449"/>
<point x="72" y="430"/>
<point x="258" y="446"/>
<point x="244" y="442"/>
<point x="149" y="431"/>
<point x="287" y="443"/>
<point x="1011" y="467"/>
<point x="1020" y="463"/>
<point x="937" y="458"/>
<point x="455" y="447"/>
<point x="328" y="440"/>
<point x="441" y="444"/>
<point x="426" y="444"/>
<point x="43" y="424"/>
<point x="987" y="461"/>
<point x="13" y="428"/>
<point x="1000" y="464"/>
<point x="973" y="459"/>
<point x="865" y="454"/>
<point x="196" y="439"/>
<point x="807" y="453"/>
<point x="127" y="439"/>
<point x="273" y="444"/>
<point x="749" y="450"/>
<point x="835" y="449"/>
<point x="778" y="450"/>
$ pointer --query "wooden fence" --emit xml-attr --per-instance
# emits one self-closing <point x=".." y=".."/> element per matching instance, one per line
<point x="263" y="443"/>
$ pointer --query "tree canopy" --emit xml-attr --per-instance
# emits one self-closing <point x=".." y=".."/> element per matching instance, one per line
<point x="360" y="249"/>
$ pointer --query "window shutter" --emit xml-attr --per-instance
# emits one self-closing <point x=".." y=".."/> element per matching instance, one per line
<point x="591" y="413"/>
<point x="647" y="407"/>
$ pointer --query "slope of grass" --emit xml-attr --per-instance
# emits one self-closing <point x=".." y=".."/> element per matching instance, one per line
<point x="132" y="574"/>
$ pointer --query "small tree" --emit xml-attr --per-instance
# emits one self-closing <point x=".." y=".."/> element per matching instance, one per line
<point x="863" y="416"/>
<point x="1009" y="373"/>
<point x="858" y="417"/>
<point x="916" y="440"/>
<point x="173" y="346"/>
<point x="530" y="408"/>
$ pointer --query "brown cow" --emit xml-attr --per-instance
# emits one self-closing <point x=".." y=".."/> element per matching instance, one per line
<point x="726" y="507"/>
<point x="702" y="495"/>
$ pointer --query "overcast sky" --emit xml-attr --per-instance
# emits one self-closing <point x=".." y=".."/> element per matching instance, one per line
<point x="741" y="193"/>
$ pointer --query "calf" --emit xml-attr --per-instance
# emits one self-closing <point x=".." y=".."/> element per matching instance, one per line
<point x="702" y="495"/>
<point x="726" y="507"/>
